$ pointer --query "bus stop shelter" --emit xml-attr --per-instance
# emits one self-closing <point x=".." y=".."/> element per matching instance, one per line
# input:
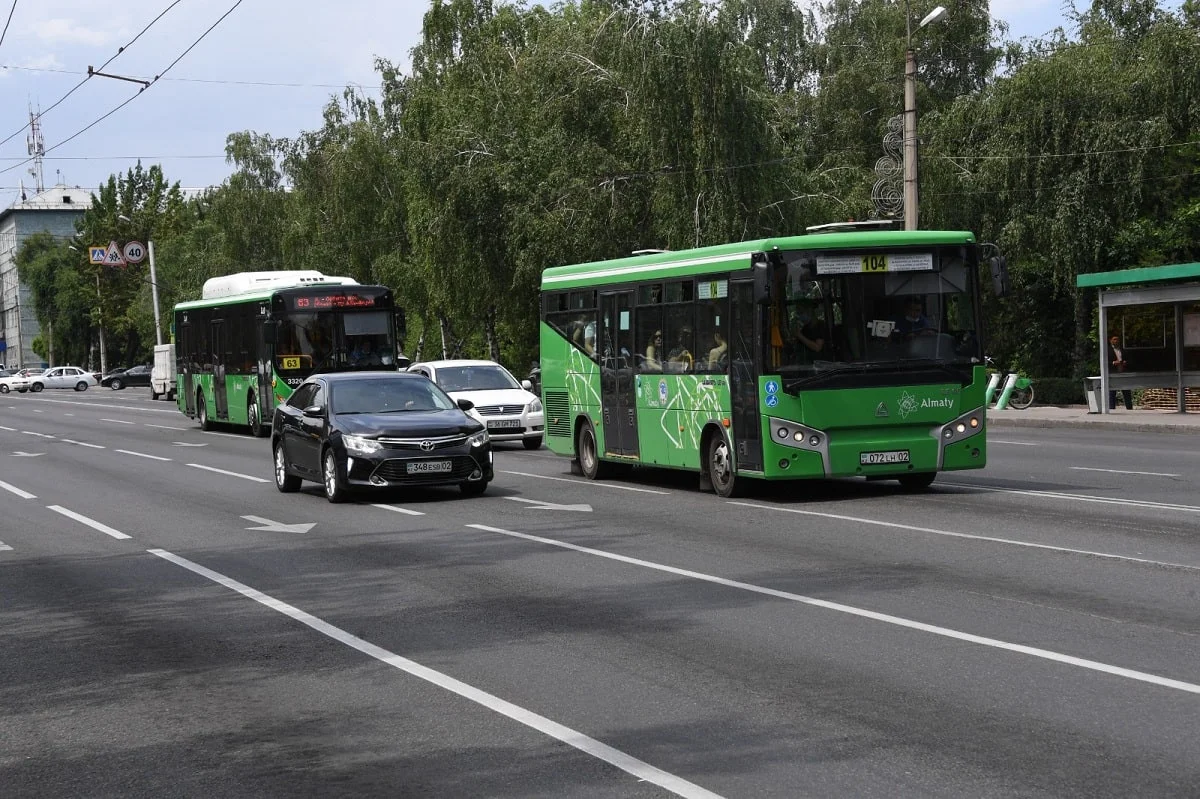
<point x="1155" y="312"/>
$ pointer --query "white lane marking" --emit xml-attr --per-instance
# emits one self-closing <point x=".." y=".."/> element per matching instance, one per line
<point x="968" y="536"/>
<point x="396" y="509"/>
<point x="116" y="421"/>
<point x="5" y="547"/>
<point x="141" y="455"/>
<point x="131" y="408"/>
<point x="228" y="435"/>
<point x="80" y="443"/>
<point x="231" y="474"/>
<point x="991" y="440"/>
<point x="163" y="426"/>
<point x="542" y="504"/>
<point x="573" y="738"/>
<point x="92" y="523"/>
<point x="12" y="489"/>
<point x="37" y="411"/>
<point x="589" y="483"/>
<point x="39" y="435"/>
<point x="68" y="414"/>
<point x="9" y="429"/>
<point x="1133" y="503"/>
<point x="946" y="632"/>
<point x="1122" y="471"/>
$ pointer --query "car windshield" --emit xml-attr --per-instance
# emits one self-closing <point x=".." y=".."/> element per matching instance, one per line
<point x="475" y="378"/>
<point x="388" y="396"/>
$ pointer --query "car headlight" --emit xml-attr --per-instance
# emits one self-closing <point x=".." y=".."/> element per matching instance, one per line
<point x="361" y="446"/>
<point x="535" y="406"/>
<point x="479" y="439"/>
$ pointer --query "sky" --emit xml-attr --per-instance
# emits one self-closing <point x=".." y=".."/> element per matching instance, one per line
<point x="269" y="66"/>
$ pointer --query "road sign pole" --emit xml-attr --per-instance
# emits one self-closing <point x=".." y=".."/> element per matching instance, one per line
<point x="158" y="338"/>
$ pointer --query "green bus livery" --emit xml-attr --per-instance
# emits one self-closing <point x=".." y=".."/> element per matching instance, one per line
<point x="254" y="336"/>
<point x="844" y="352"/>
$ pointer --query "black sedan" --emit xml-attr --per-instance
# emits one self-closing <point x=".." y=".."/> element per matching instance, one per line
<point x="133" y="376"/>
<point x="362" y="430"/>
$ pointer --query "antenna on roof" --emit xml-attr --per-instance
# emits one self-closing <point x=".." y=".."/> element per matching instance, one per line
<point x="842" y="227"/>
<point x="648" y="252"/>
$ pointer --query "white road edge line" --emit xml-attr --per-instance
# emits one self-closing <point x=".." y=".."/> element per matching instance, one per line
<point x="141" y="455"/>
<point x="1122" y="471"/>
<point x="627" y="763"/>
<point x="92" y="523"/>
<point x="586" y="482"/>
<point x="396" y="509"/>
<point x="898" y="621"/>
<point x="231" y="474"/>
<point x="968" y="536"/>
<point x="12" y="489"/>
<point x="1133" y="503"/>
<point x="116" y="421"/>
<point x="81" y="443"/>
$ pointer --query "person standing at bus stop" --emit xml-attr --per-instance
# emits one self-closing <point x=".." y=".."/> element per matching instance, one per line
<point x="1116" y="360"/>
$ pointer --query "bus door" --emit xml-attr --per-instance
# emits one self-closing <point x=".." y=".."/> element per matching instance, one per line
<point x="617" y="389"/>
<point x="184" y="359"/>
<point x="219" y="349"/>
<point x="744" y="367"/>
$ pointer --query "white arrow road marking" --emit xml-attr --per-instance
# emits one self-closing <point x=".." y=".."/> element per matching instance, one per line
<point x="19" y="454"/>
<point x="5" y="547"/>
<point x="184" y="443"/>
<point x="552" y="506"/>
<point x="278" y="527"/>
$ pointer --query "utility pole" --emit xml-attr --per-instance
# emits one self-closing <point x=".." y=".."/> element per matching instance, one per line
<point x="910" y="139"/>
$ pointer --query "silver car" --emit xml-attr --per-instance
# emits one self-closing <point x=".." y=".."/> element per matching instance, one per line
<point x="63" y="377"/>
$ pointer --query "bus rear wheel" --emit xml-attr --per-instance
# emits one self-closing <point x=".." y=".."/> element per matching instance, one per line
<point x="918" y="481"/>
<point x="721" y="471"/>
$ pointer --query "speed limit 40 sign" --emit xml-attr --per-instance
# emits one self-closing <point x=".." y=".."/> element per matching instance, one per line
<point x="134" y="252"/>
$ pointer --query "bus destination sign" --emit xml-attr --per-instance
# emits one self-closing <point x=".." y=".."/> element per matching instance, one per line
<point x="327" y="302"/>
<point x="870" y="263"/>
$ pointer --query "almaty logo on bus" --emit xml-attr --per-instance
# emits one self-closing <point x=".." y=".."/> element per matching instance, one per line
<point x="909" y="404"/>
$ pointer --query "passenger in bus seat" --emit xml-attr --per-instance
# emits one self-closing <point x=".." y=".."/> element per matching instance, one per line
<point x="653" y="353"/>
<point x="680" y="355"/>
<point x="718" y="355"/>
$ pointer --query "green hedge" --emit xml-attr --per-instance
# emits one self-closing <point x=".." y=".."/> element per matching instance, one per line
<point x="1058" y="391"/>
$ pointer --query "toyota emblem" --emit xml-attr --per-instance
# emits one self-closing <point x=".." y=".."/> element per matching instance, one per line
<point x="427" y="446"/>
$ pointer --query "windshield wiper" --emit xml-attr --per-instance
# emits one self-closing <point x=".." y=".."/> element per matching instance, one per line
<point x="791" y="386"/>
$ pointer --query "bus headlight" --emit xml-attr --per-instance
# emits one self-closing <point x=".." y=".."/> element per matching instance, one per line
<point x="361" y="446"/>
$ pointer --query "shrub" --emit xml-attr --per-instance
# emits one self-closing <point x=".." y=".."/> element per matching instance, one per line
<point x="1058" y="391"/>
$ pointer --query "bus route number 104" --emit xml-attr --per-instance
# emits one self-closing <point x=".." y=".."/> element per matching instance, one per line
<point x="874" y="263"/>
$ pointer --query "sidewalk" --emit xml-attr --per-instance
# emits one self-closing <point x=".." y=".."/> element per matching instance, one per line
<point x="1077" y="416"/>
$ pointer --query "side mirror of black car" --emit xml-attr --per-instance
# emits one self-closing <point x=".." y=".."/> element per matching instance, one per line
<point x="465" y="404"/>
<point x="314" y="411"/>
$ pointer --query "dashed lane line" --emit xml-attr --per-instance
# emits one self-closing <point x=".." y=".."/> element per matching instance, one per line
<point x="1122" y="471"/>
<point x="81" y="443"/>
<point x="588" y="483"/>
<point x="141" y="455"/>
<point x="397" y="509"/>
<point x="12" y="489"/>
<point x="1132" y="503"/>
<point x="225" y="472"/>
<point x="95" y="525"/>
<point x="898" y="621"/>
<point x="116" y="421"/>
<point x="573" y="738"/>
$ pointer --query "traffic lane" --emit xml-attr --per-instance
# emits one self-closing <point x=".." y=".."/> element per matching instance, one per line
<point x="1098" y="441"/>
<point x="127" y="676"/>
<point x="570" y="583"/>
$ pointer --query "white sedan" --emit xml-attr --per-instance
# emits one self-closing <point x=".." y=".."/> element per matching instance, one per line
<point x="63" y="377"/>
<point x="509" y="410"/>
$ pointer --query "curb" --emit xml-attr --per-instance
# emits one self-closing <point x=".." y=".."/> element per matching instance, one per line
<point x="1079" y="424"/>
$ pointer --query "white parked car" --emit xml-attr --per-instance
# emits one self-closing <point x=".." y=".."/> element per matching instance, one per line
<point x="13" y="381"/>
<point x="509" y="410"/>
<point x="63" y="377"/>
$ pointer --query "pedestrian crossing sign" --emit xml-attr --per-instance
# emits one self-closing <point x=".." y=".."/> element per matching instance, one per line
<point x="97" y="255"/>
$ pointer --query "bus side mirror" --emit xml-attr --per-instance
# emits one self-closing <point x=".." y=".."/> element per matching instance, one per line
<point x="998" y="265"/>
<point x="762" y="282"/>
<point x="401" y="325"/>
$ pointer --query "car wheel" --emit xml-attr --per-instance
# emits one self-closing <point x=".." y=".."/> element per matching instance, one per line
<point x="36" y="387"/>
<point x="81" y="386"/>
<point x="202" y="412"/>
<point x="117" y="385"/>
<point x="3" y="389"/>
<point x="285" y="482"/>
<point x="154" y="394"/>
<point x="533" y="443"/>
<point x="334" y="492"/>
<point x="474" y="489"/>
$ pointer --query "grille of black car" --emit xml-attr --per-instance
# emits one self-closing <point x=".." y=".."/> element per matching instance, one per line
<point x="395" y="470"/>
<point x="410" y="444"/>
<point x="498" y="410"/>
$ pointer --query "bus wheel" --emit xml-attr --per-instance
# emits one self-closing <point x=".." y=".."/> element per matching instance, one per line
<point x="917" y="482"/>
<point x="589" y="456"/>
<point x="202" y="412"/>
<point x="256" y="426"/>
<point x="720" y="468"/>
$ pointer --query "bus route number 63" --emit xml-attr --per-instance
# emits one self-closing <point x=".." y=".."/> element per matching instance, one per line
<point x="874" y="263"/>
<point x="290" y="362"/>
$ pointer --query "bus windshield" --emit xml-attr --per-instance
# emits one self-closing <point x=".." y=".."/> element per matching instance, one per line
<point x="312" y="341"/>
<point x="829" y="318"/>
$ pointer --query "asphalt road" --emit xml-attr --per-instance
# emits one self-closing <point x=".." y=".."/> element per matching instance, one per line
<point x="1029" y="630"/>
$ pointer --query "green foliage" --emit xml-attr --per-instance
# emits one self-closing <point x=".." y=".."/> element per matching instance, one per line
<point x="1058" y="391"/>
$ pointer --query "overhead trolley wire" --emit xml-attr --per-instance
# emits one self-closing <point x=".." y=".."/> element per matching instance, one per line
<point x="73" y="89"/>
<point x="131" y="98"/>
<point x="8" y="22"/>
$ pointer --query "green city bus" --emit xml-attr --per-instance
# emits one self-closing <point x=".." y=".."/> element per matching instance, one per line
<point x="253" y="336"/>
<point x="845" y="352"/>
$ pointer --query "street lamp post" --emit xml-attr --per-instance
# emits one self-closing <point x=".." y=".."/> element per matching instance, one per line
<point x="158" y="339"/>
<point x="910" y="114"/>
